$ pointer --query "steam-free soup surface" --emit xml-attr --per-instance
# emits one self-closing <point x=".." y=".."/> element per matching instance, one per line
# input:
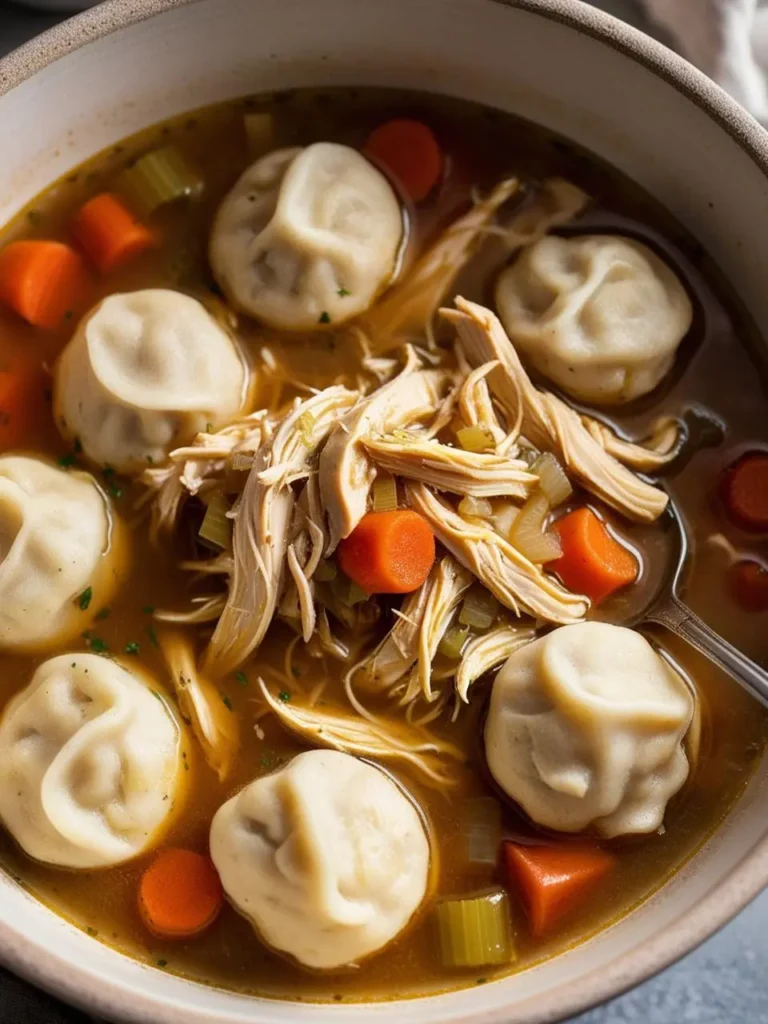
<point x="716" y="373"/>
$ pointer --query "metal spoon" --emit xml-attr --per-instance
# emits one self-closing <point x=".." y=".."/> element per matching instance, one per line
<point x="669" y="610"/>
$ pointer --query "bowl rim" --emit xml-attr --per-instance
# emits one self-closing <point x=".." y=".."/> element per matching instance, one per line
<point x="71" y="981"/>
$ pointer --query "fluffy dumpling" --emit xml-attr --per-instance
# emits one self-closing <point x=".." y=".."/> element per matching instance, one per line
<point x="327" y="857"/>
<point x="307" y="236"/>
<point x="600" y="315"/>
<point x="57" y="539"/>
<point x="143" y="373"/>
<point x="585" y="729"/>
<point x="89" y="763"/>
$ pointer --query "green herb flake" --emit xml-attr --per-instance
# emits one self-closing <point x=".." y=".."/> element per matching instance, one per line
<point x="241" y="679"/>
<point x="132" y="647"/>
<point x="227" y="701"/>
<point x="103" y="614"/>
<point x="284" y="696"/>
<point x="209" y="428"/>
<point x="116" y="492"/>
<point x="96" y="643"/>
<point x="267" y="760"/>
<point x="150" y="460"/>
<point x="148" y="609"/>
<point x="152" y="636"/>
<point x="324" y="318"/>
<point x="92" y="932"/>
<point x="84" y="600"/>
<point x="68" y="460"/>
<point x="108" y="472"/>
<point x="481" y="981"/>
<point x="343" y="293"/>
<point x="162" y="963"/>
<point x="77" y="446"/>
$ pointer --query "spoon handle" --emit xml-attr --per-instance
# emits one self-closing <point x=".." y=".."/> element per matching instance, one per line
<point x="680" y="620"/>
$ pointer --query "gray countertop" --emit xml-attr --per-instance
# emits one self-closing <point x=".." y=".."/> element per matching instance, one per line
<point x="723" y="982"/>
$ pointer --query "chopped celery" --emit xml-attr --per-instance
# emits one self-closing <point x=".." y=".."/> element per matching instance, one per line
<point x="325" y="572"/>
<point x="475" y="439"/>
<point x="260" y="133"/>
<point x="528" y="534"/>
<point x="216" y="528"/>
<point x="554" y="484"/>
<point x="477" y="507"/>
<point x="504" y="519"/>
<point x="384" y="493"/>
<point x="347" y="592"/>
<point x="479" y="609"/>
<point x="452" y="643"/>
<point x="157" y="178"/>
<point x="482" y="829"/>
<point x="474" y="931"/>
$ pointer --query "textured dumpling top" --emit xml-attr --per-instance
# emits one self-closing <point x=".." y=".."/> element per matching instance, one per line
<point x="600" y="315"/>
<point x="586" y="728"/>
<point x="89" y="763"/>
<point x="307" y="236"/>
<point x="143" y="373"/>
<point x="57" y="539"/>
<point x="327" y="857"/>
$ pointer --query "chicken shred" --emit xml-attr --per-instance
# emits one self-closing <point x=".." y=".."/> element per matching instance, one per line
<point x="485" y="652"/>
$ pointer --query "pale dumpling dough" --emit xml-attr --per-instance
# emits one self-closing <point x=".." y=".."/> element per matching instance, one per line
<point x="57" y="539"/>
<point x="307" y="236"/>
<point x="327" y="857"/>
<point x="600" y="315"/>
<point x="90" y="763"/>
<point x="585" y="729"/>
<point x="143" y="373"/>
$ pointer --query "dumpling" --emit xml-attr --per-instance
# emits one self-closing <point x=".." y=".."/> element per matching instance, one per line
<point x="327" y="857"/>
<point x="585" y="729"/>
<point x="143" y="373"/>
<point x="600" y="315"/>
<point x="90" y="763"/>
<point x="58" y="538"/>
<point x="307" y="236"/>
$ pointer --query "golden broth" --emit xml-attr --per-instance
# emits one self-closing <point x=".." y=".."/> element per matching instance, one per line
<point x="714" y="370"/>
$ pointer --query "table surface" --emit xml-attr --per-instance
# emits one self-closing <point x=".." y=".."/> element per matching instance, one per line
<point x="723" y="982"/>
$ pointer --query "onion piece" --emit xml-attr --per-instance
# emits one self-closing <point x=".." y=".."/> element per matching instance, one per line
<point x="474" y="931"/>
<point x="504" y="520"/>
<point x="554" y="484"/>
<point x="384" y="493"/>
<point x="482" y="830"/>
<point x="475" y="439"/>
<point x="480" y="508"/>
<point x="479" y="609"/>
<point x="528" y="534"/>
<point x="216" y="528"/>
<point x="157" y="178"/>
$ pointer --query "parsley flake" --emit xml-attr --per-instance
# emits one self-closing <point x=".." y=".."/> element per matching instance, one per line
<point x="343" y="293"/>
<point x="92" y="931"/>
<point x="162" y="963"/>
<point x="96" y="644"/>
<point x="241" y="679"/>
<point x="209" y="427"/>
<point x="84" y="599"/>
<point x="152" y="636"/>
<point x="116" y="492"/>
<point x="284" y="696"/>
<point x="324" y="318"/>
<point x="132" y="647"/>
<point x="227" y="702"/>
<point x="103" y="614"/>
<point x="68" y="460"/>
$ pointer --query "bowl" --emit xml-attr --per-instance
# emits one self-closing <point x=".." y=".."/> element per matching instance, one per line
<point x="120" y="67"/>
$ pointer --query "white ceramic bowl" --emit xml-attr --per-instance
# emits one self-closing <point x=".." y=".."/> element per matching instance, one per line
<point x="124" y="65"/>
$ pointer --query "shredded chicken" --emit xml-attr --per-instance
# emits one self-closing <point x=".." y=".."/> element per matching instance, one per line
<point x="487" y="651"/>
<point x="478" y="474"/>
<point x="200" y="703"/>
<point x="547" y="422"/>
<point x="555" y="202"/>
<point x="346" y="471"/>
<point x="407" y="311"/>
<point x="369" y="736"/>
<point x="451" y="580"/>
<point x="520" y="585"/>
<point x="262" y="521"/>
<point x="660" y="447"/>
<point x="399" y="649"/>
<point x="477" y="409"/>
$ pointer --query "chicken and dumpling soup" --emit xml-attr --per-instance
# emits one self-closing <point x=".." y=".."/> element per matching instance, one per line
<point x="338" y="431"/>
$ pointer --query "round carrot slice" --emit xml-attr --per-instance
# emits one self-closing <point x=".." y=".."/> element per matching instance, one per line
<point x="180" y="893"/>
<point x="389" y="552"/>
<point x="409" y="151"/>
<point x="593" y="562"/>
<point x="744" y="491"/>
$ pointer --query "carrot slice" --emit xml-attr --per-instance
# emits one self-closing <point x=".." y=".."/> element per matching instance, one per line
<point x="748" y="584"/>
<point x="389" y="552"/>
<point x="41" y="281"/>
<point x="108" y="233"/>
<point x="22" y="402"/>
<point x="744" y="490"/>
<point x="409" y="151"/>
<point x="180" y="893"/>
<point x="593" y="562"/>
<point x="553" y="881"/>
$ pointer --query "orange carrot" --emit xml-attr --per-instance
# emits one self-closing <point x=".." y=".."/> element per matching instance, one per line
<point x="108" y="233"/>
<point x="41" y="280"/>
<point x="554" y="880"/>
<point x="389" y="552"/>
<point x="179" y="894"/>
<point x="744" y="490"/>
<point x="22" y="402"/>
<point x="748" y="583"/>
<point x="593" y="562"/>
<point x="409" y="151"/>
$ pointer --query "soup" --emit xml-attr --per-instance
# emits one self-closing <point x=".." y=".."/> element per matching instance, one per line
<point x="318" y="682"/>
